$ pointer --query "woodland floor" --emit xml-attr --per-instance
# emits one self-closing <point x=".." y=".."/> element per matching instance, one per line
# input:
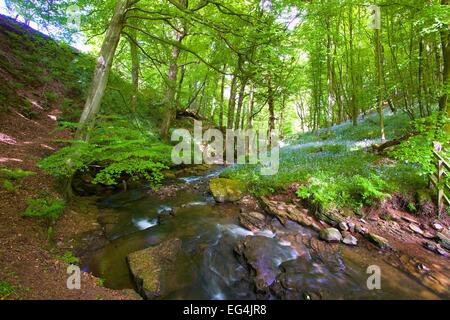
<point x="28" y="261"/>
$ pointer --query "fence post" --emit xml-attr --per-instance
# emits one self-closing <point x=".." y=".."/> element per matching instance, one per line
<point x="441" y="190"/>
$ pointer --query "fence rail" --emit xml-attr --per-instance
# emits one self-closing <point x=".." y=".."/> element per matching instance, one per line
<point x="438" y="180"/>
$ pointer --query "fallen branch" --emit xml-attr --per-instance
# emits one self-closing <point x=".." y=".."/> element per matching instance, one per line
<point x="380" y="148"/>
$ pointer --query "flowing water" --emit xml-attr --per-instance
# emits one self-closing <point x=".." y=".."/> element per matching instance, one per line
<point x="209" y="268"/>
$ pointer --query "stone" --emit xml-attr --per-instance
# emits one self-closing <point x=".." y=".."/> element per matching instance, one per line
<point x="444" y="239"/>
<point x="258" y="254"/>
<point x="148" y="266"/>
<point x="410" y="220"/>
<point x="332" y="217"/>
<point x="361" y="230"/>
<point x="331" y="235"/>
<point x="442" y="251"/>
<point x="227" y="190"/>
<point x="377" y="240"/>
<point x="351" y="226"/>
<point x="428" y="235"/>
<point x="285" y="213"/>
<point x="253" y="221"/>
<point x="416" y="229"/>
<point x="437" y="226"/>
<point x="350" y="240"/>
<point x="343" y="226"/>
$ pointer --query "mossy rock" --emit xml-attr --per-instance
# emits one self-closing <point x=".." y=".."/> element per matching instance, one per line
<point x="149" y="266"/>
<point x="380" y="242"/>
<point x="423" y="196"/>
<point x="227" y="190"/>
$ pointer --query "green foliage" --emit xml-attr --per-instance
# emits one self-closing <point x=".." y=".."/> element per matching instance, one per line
<point x="101" y="282"/>
<point x="47" y="208"/>
<point x="69" y="258"/>
<point x="9" y="177"/>
<point x="119" y="148"/>
<point x="6" y="290"/>
<point x="15" y="174"/>
<point x="419" y="148"/>
<point x="8" y="186"/>
<point x="337" y="172"/>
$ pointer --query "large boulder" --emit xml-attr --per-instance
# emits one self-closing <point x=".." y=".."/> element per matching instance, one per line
<point x="262" y="256"/>
<point x="331" y="235"/>
<point x="227" y="190"/>
<point x="149" y="265"/>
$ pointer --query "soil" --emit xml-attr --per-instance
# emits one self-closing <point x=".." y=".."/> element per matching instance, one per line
<point x="28" y="260"/>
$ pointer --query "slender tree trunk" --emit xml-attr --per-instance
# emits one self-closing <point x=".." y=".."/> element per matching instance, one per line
<point x="232" y="102"/>
<point x="330" y="81"/>
<point x="420" y="78"/>
<point x="222" y="98"/>
<point x="353" y="102"/>
<point x="380" y="87"/>
<point x="180" y="86"/>
<point x="271" y="103"/>
<point x="103" y="69"/>
<point x="251" y="104"/>
<point x="240" y="103"/>
<point x="135" y="68"/>
<point x="444" y="103"/>
<point x="169" y="101"/>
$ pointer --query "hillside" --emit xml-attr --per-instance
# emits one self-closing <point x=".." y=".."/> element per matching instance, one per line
<point x="33" y="89"/>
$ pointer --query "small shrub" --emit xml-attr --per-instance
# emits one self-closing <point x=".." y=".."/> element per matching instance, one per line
<point x="8" y="186"/>
<point x="15" y="174"/>
<point x="6" y="290"/>
<point x="49" y="209"/>
<point x="69" y="258"/>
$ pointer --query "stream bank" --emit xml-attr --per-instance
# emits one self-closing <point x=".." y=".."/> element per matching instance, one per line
<point x="179" y="243"/>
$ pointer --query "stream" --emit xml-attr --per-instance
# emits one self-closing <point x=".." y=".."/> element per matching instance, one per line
<point x="287" y="260"/>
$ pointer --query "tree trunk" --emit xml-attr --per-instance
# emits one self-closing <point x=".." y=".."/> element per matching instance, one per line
<point x="102" y="69"/>
<point x="135" y="68"/>
<point x="353" y="102"/>
<point x="232" y="103"/>
<point x="169" y="101"/>
<point x="444" y="103"/>
<point x="240" y="103"/>
<point x="380" y="87"/>
<point x="271" y="103"/>
<point x="330" y="81"/>
<point x="222" y="98"/>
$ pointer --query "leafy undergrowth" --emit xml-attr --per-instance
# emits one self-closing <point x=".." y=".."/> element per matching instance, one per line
<point x="119" y="148"/>
<point x="7" y="291"/>
<point x="10" y="178"/>
<point x="338" y="169"/>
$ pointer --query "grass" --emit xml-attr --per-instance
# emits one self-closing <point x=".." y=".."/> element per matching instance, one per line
<point x="6" y="290"/>
<point x="335" y="170"/>
<point x="9" y="178"/>
<point x="47" y="208"/>
<point x="69" y="258"/>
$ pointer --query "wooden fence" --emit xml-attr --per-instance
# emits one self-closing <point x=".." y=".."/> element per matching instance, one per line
<point x="438" y="178"/>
